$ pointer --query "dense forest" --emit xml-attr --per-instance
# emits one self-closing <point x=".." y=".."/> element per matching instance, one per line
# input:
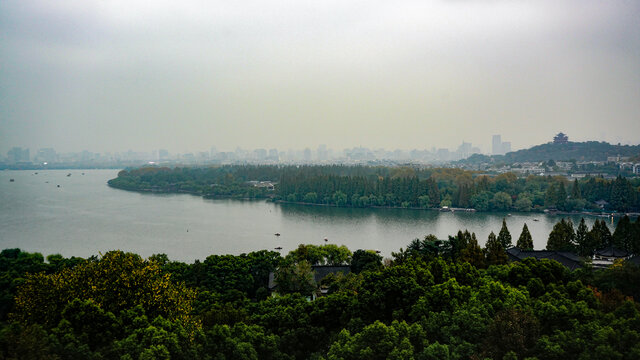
<point x="361" y="186"/>
<point x="438" y="299"/>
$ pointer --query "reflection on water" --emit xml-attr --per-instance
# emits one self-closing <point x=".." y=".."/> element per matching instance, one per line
<point x="84" y="216"/>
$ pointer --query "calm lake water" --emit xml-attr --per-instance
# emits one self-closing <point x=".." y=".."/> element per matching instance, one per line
<point x="84" y="216"/>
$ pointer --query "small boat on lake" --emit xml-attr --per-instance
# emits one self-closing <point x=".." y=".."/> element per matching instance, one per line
<point x="69" y="174"/>
<point x="11" y="180"/>
<point x="277" y="234"/>
<point x="279" y="248"/>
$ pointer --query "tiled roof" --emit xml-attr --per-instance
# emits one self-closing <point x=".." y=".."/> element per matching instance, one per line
<point x="568" y="259"/>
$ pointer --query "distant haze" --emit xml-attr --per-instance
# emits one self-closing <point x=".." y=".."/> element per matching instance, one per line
<point x="187" y="75"/>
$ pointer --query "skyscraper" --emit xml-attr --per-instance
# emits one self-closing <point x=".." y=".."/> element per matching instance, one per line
<point x="496" y="148"/>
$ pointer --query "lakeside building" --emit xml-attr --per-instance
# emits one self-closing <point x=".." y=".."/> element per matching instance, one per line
<point x="602" y="258"/>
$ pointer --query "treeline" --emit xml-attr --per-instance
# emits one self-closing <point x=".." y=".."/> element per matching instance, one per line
<point x="362" y="186"/>
<point x="438" y="299"/>
<point x="218" y="181"/>
<point x="405" y="187"/>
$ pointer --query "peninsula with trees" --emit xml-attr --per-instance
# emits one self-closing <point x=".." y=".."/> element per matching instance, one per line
<point x="383" y="186"/>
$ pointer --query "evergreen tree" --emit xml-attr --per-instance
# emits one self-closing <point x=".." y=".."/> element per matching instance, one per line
<point x="584" y="243"/>
<point x="504" y="237"/>
<point x="494" y="252"/>
<point x="434" y="193"/>
<point x="550" y="197"/>
<point x="622" y="194"/>
<point x="525" y="241"/>
<point x="622" y="236"/>
<point x="575" y="191"/>
<point x="562" y="237"/>
<point x="635" y="235"/>
<point x="561" y="196"/>
<point x="472" y="253"/>
<point x="601" y="234"/>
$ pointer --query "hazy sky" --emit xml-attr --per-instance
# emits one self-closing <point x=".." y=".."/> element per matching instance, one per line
<point x="186" y="75"/>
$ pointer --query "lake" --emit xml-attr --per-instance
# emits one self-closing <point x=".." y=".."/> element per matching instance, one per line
<point x="84" y="217"/>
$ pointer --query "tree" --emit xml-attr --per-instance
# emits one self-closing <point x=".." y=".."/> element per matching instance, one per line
<point x="501" y="201"/>
<point x="472" y="253"/>
<point x="601" y="235"/>
<point x="525" y="241"/>
<point x="504" y="237"/>
<point x="295" y="278"/>
<point x="623" y="235"/>
<point x="623" y="195"/>
<point x="480" y="201"/>
<point x="424" y="201"/>
<point x="561" y="196"/>
<point x="494" y="251"/>
<point x="584" y="242"/>
<point x="523" y="204"/>
<point x="339" y="198"/>
<point x="363" y="260"/>
<point x="562" y="237"/>
<point x="575" y="190"/>
<point x="550" y="197"/>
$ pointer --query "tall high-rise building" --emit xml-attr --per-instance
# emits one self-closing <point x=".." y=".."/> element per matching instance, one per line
<point x="506" y="147"/>
<point x="499" y="147"/>
<point x="496" y="148"/>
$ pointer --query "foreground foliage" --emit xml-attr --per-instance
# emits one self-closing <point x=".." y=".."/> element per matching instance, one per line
<point x="435" y="300"/>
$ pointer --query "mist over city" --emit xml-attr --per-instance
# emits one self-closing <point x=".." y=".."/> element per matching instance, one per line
<point x="109" y="77"/>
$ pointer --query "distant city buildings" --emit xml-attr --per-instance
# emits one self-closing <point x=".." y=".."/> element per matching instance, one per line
<point x="18" y="154"/>
<point x="498" y="147"/>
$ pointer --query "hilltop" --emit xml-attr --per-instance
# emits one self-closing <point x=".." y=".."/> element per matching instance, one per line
<point x="579" y="151"/>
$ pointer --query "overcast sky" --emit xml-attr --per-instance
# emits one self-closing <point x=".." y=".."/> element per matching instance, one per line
<point x="186" y="75"/>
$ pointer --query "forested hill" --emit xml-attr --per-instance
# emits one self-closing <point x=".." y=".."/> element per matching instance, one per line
<point x="580" y="151"/>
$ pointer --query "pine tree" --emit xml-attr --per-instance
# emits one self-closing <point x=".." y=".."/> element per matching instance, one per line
<point x="494" y="252"/>
<point x="583" y="241"/>
<point x="550" y="197"/>
<point x="434" y="193"/>
<point x="622" y="236"/>
<point x="562" y="237"/>
<point x="473" y="254"/>
<point x="504" y="237"/>
<point x="561" y="196"/>
<point x="575" y="191"/>
<point x="525" y="241"/>
<point x="622" y="194"/>
<point x="635" y="235"/>
<point x="601" y="235"/>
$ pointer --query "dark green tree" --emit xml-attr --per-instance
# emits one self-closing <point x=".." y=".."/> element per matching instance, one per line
<point x="472" y="253"/>
<point x="562" y="237"/>
<point x="584" y="243"/>
<point x="561" y="196"/>
<point x="601" y="234"/>
<point x="525" y="241"/>
<point x="494" y="251"/>
<point x="504" y="236"/>
<point x="575" y="190"/>
<point x="623" y="195"/>
<point x="623" y="235"/>
<point x="363" y="260"/>
<point x="550" y="197"/>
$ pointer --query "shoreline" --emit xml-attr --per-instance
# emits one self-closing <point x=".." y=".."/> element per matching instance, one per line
<point x="470" y="210"/>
